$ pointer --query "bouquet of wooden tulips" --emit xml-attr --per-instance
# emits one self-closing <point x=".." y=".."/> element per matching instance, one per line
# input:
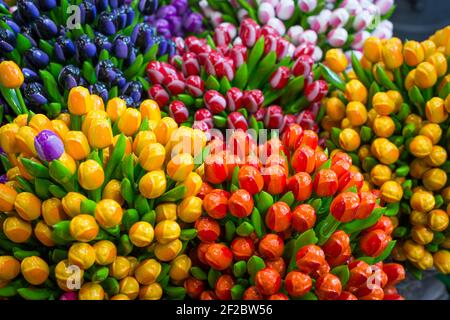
<point x="282" y="221"/>
<point x="98" y="203"/>
<point x="324" y="24"/>
<point x="391" y="114"/>
<point x="211" y="82"/>
<point x="105" y="50"/>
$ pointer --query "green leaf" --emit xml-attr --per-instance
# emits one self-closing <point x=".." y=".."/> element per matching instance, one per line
<point x="343" y="273"/>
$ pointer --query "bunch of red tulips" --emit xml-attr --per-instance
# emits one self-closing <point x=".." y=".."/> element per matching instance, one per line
<point x="283" y="220"/>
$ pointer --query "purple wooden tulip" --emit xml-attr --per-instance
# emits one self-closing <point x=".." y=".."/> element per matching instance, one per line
<point x="3" y="179"/>
<point x="48" y="145"/>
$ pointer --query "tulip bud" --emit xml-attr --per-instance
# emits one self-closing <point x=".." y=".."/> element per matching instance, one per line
<point x="152" y="156"/>
<point x="421" y="146"/>
<point x="435" y="110"/>
<point x="7" y="198"/>
<point x="392" y="55"/>
<point x="349" y="139"/>
<point x="373" y="243"/>
<point x="82" y="255"/>
<point x="268" y="281"/>
<point x="153" y="184"/>
<point x="278" y="217"/>
<point x="166" y="231"/>
<point x="10" y="268"/>
<point x="90" y="175"/>
<point x="105" y="252"/>
<point x="373" y="49"/>
<point x="240" y="203"/>
<point x="336" y="60"/>
<point x="414" y="53"/>
<point x="83" y="228"/>
<point x="242" y="248"/>
<point x="328" y="287"/>
<point x="438" y="220"/>
<point x="385" y="151"/>
<point x="25" y="139"/>
<point x="34" y="270"/>
<point x="164" y="129"/>
<point x="8" y="136"/>
<point x="76" y="145"/>
<point x="79" y="101"/>
<point x="425" y="76"/>
<point x="141" y="234"/>
<point x="441" y="261"/>
<point x="218" y="256"/>
<point x="11" y="75"/>
<point x="28" y="206"/>
<point x="439" y="61"/>
<point x="413" y="251"/>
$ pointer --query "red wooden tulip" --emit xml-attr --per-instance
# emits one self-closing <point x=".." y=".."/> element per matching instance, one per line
<point x="278" y="264"/>
<point x="349" y="180"/>
<point x="303" y="218"/>
<point x="215" y="203"/>
<point x="274" y="179"/>
<point x="250" y="179"/>
<point x="253" y="100"/>
<point x="345" y="295"/>
<point x="297" y="284"/>
<point x="239" y="54"/>
<point x="241" y="203"/>
<point x="303" y="159"/>
<point x="344" y="206"/>
<point x="310" y="258"/>
<point x="242" y="248"/>
<point x="190" y="65"/>
<point x="234" y="98"/>
<point x="372" y="244"/>
<point x="384" y="224"/>
<point x="325" y="183"/>
<point x="303" y="65"/>
<point x="328" y="287"/>
<point x="279" y="217"/>
<point x="268" y="281"/>
<point x="367" y="203"/>
<point x="395" y="273"/>
<point x="341" y="163"/>
<point x="271" y="246"/>
<point x="223" y="287"/>
<point x="274" y="117"/>
<point x="195" y="86"/>
<point x="279" y="78"/>
<point x="359" y="274"/>
<point x="252" y="293"/>
<point x="337" y="244"/>
<point x="301" y="186"/>
<point x="178" y="111"/>
<point x="208" y="230"/>
<point x="310" y="139"/>
<point x="292" y="135"/>
<point x="370" y="292"/>
<point x="236" y="120"/>
<point x="219" y="256"/>
<point x="194" y="287"/>
<point x="321" y="158"/>
<point x="159" y="94"/>
<point x="205" y="115"/>
<point x="216" y="170"/>
<point x="249" y="32"/>
<point x="214" y="101"/>
<point x="278" y="296"/>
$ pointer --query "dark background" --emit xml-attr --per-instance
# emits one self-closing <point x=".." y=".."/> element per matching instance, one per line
<point x="418" y="19"/>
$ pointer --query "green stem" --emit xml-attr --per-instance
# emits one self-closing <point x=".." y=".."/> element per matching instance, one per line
<point x="21" y="101"/>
